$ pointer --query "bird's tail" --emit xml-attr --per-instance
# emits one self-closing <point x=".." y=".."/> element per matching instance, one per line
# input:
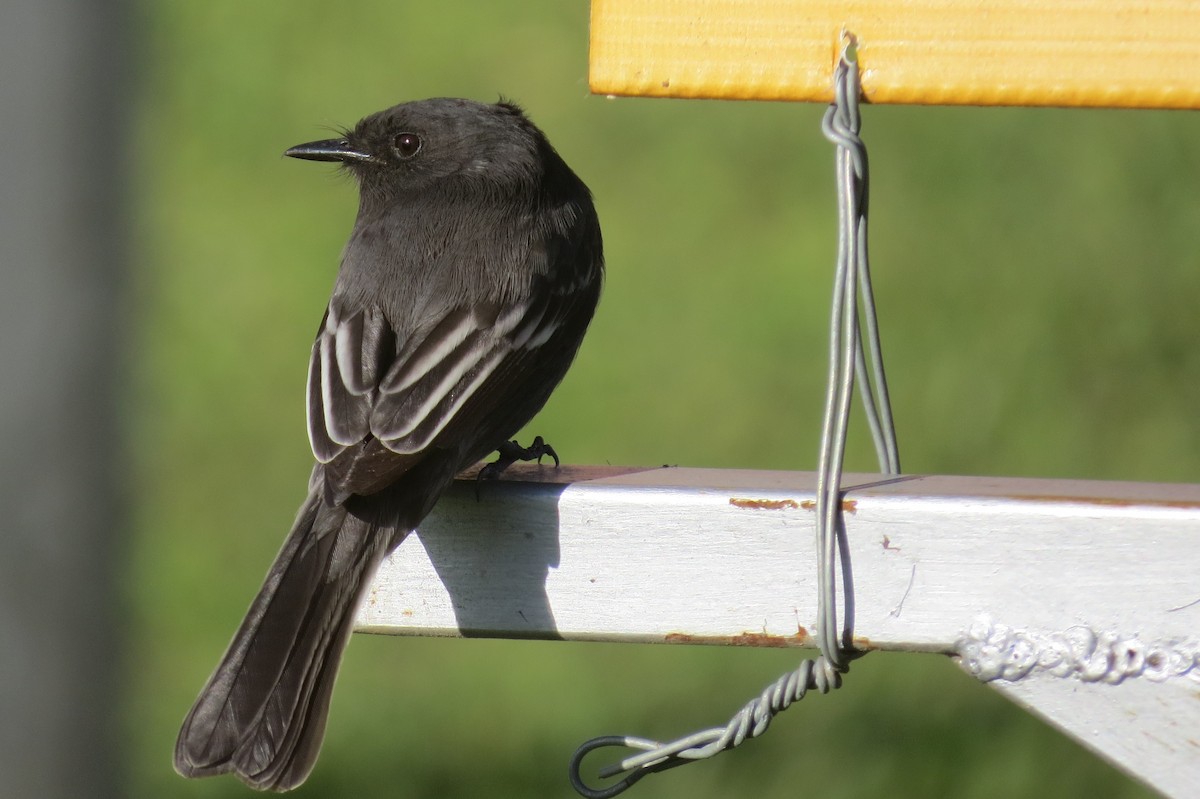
<point x="262" y="713"/>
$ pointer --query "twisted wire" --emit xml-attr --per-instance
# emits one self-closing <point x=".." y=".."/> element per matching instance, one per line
<point x="847" y="360"/>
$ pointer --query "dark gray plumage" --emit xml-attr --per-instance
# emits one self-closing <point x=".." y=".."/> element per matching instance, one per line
<point x="471" y="274"/>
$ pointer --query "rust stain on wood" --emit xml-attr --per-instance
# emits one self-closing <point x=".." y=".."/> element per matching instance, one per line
<point x="764" y="504"/>
<point x="747" y="638"/>
<point x="758" y="639"/>
<point x="848" y="505"/>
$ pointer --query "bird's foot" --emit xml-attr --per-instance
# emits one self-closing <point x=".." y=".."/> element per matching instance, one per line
<point x="510" y="452"/>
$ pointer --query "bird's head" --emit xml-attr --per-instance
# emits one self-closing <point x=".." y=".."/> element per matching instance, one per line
<point x="417" y="145"/>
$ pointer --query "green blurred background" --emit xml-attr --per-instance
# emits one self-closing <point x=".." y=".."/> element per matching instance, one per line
<point x="1038" y="282"/>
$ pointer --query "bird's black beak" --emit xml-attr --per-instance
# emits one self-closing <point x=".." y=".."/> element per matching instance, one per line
<point x="329" y="150"/>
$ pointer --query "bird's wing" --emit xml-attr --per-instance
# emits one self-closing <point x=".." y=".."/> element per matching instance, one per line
<point x="377" y="400"/>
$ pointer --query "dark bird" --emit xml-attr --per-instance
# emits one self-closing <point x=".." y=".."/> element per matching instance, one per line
<point x="470" y="277"/>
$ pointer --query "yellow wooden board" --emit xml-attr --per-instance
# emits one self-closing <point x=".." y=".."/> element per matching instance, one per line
<point x="1108" y="53"/>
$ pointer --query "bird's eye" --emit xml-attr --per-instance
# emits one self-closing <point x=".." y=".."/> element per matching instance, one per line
<point x="407" y="144"/>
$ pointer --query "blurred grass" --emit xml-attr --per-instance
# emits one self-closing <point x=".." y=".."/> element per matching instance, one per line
<point x="1037" y="273"/>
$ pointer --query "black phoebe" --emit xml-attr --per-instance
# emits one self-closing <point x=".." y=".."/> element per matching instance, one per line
<point x="471" y="274"/>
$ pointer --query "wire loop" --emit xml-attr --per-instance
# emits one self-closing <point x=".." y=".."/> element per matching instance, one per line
<point x="847" y="361"/>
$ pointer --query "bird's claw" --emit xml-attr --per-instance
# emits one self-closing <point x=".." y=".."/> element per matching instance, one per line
<point x="510" y="452"/>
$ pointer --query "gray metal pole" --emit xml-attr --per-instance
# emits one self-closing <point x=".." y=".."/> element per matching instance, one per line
<point x="63" y="141"/>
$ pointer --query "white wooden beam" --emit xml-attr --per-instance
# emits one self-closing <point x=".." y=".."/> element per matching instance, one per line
<point x="1082" y="598"/>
